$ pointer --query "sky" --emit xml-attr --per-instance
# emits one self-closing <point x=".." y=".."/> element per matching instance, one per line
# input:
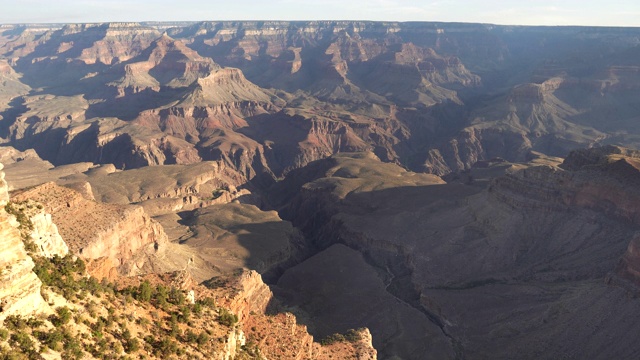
<point x="509" y="12"/>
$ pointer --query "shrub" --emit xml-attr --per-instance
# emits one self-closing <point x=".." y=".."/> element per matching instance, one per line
<point x="17" y="210"/>
<point x="351" y="336"/>
<point x="164" y="347"/>
<point x="34" y="322"/>
<point x="161" y="296"/>
<point x="190" y="336"/>
<point x="202" y="339"/>
<point x="132" y="345"/>
<point x="226" y="318"/>
<point x="23" y="341"/>
<point x="63" y="316"/>
<point x="72" y="349"/>
<point x="144" y="291"/>
<point x="117" y="347"/>
<point x="143" y="321"/>
<point x="332" y="339"/>
<point x="53" y="339"/>
<point x="197" y="309"/>
<point x="176" y="296"/>
<point x="15" y="322"/>
<point x="208" y="302"/>
<point x="173" y="324"/>
<point x="185" y="313"/>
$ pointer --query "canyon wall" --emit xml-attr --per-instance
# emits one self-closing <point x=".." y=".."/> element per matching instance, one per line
<point x="447" y="251"/>
<point x="268" y="97"/>
<point x="250" y="301"/>
<point x="19" y="285"/>
<point x="116" y="235"/>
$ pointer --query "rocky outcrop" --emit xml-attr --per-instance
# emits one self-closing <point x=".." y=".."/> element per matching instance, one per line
<point x="340" y="51"/>
<point x="282" y="335"/>
<point x="466" y="149"/>
<point x="251" y="295"/>
<point x="115" y="233"/>
<point x="90" y="44"/>
<point x="177" y="105"/>
<point x="4" y="187"/>
<point x="43" y="233"/>
<point x="250" y="299"/>
<point x="529" y="118"/>
<point x="164" y="63"/>
<point x="11" y="85"/>
<point x="319" y="209"/>
<point x="226" y="237"/>
<point x="113" y="42"/>
<point x="629" y="266"/>
<point x="227" y="86"/>
<point x="168" y="188"/>
<point x="441" y="70"/>
<point x="126" y="145"/>
<point x="19" y="285"/>
<point x="123" y="240"/>
<point x="603" y="179"/>
<point x="535" y="93"/>
<point x="10" y="155"/>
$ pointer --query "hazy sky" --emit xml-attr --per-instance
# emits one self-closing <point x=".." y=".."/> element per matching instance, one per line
<point x="532" y="12"/>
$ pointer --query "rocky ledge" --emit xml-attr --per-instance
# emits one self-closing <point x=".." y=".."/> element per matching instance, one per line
<point x="113" y="235"/>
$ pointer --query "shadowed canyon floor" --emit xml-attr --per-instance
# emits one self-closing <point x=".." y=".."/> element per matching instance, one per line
<point x="504" y="268"/>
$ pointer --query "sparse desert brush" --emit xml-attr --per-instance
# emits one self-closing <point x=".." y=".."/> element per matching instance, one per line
<point x="226" y="318"/>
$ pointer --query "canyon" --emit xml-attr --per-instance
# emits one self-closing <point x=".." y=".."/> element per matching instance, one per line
<point x="345" y="189"/>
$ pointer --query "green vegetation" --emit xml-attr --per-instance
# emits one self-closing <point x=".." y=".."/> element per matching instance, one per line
<point x="350" y="336"/>
<point x="226" y="318"/>
<point x="63" y="275"/>
<point x="144" y="291"/>
<point x="100" y="317"/>
<point x="21" y="340"/>
<point x="54" y="339"/>
<point x="219" y="192"/>
<point x="62" y="318"/>
<point x="18" y="209"/>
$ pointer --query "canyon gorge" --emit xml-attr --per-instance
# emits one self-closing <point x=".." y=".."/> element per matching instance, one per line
<point x="342" y="189"/>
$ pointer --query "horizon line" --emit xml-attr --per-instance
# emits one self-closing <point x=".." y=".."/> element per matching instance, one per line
<point x="308" y="21"/>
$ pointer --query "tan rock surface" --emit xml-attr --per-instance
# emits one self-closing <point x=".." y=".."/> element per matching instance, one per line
<point x="223" y="238"/>
<point x="95" y="230"/>
<point x="19" y="285"/>
<point x="44" y="233"/>
<point x="281" y="335"/>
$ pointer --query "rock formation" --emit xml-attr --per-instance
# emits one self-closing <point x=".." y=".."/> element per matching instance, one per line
<point x="433" y="97"/>
<point x="43" y="233"/>
<point x="19" y="285"/>
<point x="290" y="339"/>
<point x="434" y="246"/>
<point x="113" y="234"/>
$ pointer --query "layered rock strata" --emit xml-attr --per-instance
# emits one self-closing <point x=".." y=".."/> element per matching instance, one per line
<point x="482" y="260"/>
<point x="251" y="298"/>
<point x="115" y="234"/>
<point x="19" y="285"/>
